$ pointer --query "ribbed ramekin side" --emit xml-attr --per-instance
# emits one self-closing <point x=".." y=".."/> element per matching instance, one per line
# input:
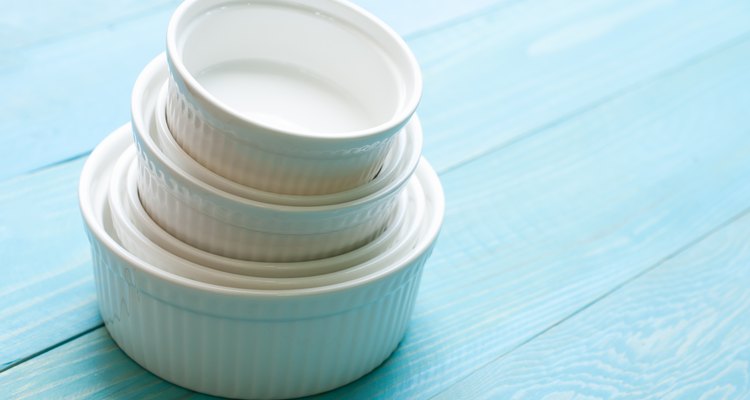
<point x="279" y="168"/>
<point x="248" y="358"/>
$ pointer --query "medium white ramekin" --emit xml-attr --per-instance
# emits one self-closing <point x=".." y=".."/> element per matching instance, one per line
<point x="147" y="240"/>
<point x="400" y="162"/>
<point x="329" y="46"/>
<point x="228" y="225"/>
<point x="248" y="343"/>
<point x="138" y="243"/>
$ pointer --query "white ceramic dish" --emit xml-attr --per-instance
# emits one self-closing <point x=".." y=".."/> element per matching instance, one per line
<point x="289" y="96"/>
<point x="143" y="237"/>
<point x="248" y="343"/>
<point x="400" y="161"/>
<point x="231" y="226"/>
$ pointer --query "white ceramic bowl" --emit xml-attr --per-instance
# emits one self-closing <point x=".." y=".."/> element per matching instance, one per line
<point x="231" y="226"/>
<point x="400" y="162"/>
<point x="248" y="343"/>
<point x="289" y="96"/>
<point x="146" y="239"/>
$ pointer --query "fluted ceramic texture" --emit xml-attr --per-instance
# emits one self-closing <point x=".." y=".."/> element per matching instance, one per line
<point x="252" y="348"/>
<point x="279" y="167"/>
<point x="250" y="233"/>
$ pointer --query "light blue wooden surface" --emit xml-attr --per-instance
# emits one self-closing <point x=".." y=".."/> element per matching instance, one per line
<point x="596" y="161"/>
<point x="678" y="331"/>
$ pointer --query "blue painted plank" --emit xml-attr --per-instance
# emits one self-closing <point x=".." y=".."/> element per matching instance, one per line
<point x="534" y="232"/>
<point x="32" y="22"/>
<point x="681" y="330"/>
<point x="70" y="371"/>
<point x="545" y="226"/>
<point x="534" y="63"/>
<point x="61" y="98"/>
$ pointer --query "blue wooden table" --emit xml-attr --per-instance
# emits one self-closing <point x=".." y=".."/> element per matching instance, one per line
<point x="596" y="161"/>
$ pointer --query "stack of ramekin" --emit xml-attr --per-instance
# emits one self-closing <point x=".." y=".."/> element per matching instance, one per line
<point x="260" y="228"/>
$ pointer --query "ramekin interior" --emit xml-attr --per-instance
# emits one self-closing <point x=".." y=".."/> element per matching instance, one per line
<point x="334" y="45"/>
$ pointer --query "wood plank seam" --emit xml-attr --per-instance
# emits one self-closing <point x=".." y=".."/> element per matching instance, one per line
<point x="15" y="363"/>
<point x="736" y="41"/>
<point x="57" y="163"/>
<point x="612" y="291"/>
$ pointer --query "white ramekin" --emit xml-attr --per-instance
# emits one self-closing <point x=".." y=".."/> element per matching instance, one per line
<point x="400" y="162"/>
<point x="248" y="343"/>
<point x="228" y="225"/>
<point x="316" y="64"/>
<point x="147" y="240"/>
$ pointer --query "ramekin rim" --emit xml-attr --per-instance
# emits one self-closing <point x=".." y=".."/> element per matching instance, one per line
<point x="401" y="117"/>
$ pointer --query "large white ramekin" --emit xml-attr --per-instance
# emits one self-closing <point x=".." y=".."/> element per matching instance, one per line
<point x="248" y="343"/>
<point x="400" y="162"/>
<point x="228" y="225"/>
<point x="336" y="45"/>
<point x="144" y="238"/>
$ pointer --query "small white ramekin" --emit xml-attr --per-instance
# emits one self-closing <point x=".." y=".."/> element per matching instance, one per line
<point x="228" y="225"/>
<point x="400" y="162"/>
<point x="291" y="96"/>
<point x="147" y="240"/>
<point x="249" y="343"/>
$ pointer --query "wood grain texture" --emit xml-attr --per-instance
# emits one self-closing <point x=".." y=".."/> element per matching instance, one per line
<point x="34" y="22"/>
<point x="532" y="64"/>
<point x="536" y="230"/>
<point x="47" y="286"/>
<point x="681" y="330"/>
<point x="540" y="229"/>
<point x="61" y="98"/>
<point x="71" y="371"/>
